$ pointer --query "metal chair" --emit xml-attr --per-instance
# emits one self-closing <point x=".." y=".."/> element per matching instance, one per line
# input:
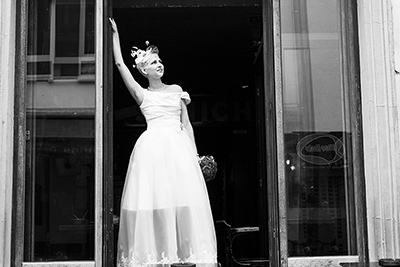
<point x="230" y="234"/>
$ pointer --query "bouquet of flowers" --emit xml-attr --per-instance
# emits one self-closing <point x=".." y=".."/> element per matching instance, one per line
<point x="208" y="166"/>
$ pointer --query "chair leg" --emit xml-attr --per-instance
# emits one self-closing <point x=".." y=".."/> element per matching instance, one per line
<point x="229" y="235"/>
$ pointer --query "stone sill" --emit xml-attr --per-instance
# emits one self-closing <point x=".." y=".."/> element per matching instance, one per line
<point x="326" y="261"/>
<point x="356" y="264"/>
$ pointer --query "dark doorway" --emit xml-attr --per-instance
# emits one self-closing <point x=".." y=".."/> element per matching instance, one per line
<point x="211" y="52"/>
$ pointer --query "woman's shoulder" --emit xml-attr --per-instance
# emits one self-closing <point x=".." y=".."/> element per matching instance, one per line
<point x="174" y="88"/>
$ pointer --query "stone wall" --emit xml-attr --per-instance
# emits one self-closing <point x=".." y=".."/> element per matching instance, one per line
<point x="380" y="126"/>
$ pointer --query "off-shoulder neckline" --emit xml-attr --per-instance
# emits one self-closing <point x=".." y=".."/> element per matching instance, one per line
<point x="165" y="93"/>
<point x="170" y="93"/>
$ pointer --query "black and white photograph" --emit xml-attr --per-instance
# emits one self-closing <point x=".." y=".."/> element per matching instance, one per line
<point x="200" y="133"/>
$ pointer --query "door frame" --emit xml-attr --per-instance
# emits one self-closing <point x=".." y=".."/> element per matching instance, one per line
<point x="274" y="137"/>
<point x="271" y="61"/>
<point x="108" y="181"/>
<point x="104" y="229"/>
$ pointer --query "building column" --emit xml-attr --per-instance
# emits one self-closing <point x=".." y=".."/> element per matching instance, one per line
<point x="7" y="56"/>
<point x="380" y="127"/>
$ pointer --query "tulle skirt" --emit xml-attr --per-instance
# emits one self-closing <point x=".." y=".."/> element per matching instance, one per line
<point x="165" y="210"/>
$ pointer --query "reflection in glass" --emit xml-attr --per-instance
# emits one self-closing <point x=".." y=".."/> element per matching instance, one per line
<point x="89" y="28"/>
<point x="39" y="26"/>
<point x="61" y="39"/>
<point x="67" y="28"/>
<point x="317" y="132"/>
<point x="60" y="139"/>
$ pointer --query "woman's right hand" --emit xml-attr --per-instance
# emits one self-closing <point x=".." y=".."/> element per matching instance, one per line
<point x="113" y="25"/>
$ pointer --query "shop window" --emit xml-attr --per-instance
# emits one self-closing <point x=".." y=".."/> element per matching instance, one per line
<point x="61" y="189"/>
<point x="61" y="40"/>
<point x="60" y="111"/>
<point x="317" y="130"/>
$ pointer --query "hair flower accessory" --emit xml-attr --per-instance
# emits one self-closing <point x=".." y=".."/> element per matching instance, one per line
<point x="142" y="56"/>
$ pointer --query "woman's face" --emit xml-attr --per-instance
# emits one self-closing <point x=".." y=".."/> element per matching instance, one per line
<point x="154" y="67"/>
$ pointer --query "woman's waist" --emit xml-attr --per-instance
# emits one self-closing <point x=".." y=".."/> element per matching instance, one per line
<point x="164" y="123"/>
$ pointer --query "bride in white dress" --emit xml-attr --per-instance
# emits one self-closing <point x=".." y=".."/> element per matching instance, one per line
<point x="165" y="210"/>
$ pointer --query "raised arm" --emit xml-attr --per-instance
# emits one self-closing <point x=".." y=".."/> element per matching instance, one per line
<point x="134" y="88"/>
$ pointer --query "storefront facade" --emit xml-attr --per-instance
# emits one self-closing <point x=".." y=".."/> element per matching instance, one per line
<point x="296" y="99"/>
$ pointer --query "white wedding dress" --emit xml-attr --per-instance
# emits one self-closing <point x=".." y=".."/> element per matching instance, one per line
<point x="165" y="210"/>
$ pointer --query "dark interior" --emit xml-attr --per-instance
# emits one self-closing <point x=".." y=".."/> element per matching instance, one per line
<point x="211" y="52"/>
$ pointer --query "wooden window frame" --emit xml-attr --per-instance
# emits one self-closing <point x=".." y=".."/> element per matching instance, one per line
<point x="18" y="210"/>
<point x="352" y="85"/>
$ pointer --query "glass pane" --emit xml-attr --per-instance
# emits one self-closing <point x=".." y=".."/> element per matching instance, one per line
<point x="39" y="28"/>
<point x="66" y="70"/>
<point x="89" y="28"/>
<point x="317" y="133"/>
<point x="59" y="215"/>
<point x="67" y="28"/>
<point x="35" y="67"/>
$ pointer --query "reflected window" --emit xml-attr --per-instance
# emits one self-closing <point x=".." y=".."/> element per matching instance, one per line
<point x="317" y="131"/>
<point x="61" y="40"/>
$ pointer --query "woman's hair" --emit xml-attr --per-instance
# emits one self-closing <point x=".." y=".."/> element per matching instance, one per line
<point x="142" y="57"/>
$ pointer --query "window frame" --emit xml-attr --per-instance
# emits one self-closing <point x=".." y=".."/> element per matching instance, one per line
<point x="352" y="85"/>
<point x="18" y="237"/>
<point x="350" y="44"/>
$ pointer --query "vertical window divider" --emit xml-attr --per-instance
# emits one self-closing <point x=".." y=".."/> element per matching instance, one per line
<point x="109" y="228"/>
<point x="18" y="196"/>
<point x="52" y="37"/>
<point x="99" y="134"/>
<point x="82" y="29"/>
<point x="353" y="85"/>
<point x="278" y="184"/>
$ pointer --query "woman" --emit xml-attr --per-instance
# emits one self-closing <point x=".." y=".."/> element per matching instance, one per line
<point x="165" y="210"/>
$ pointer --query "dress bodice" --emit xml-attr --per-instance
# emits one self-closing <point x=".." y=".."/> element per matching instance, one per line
<point x="163" y="108"/>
